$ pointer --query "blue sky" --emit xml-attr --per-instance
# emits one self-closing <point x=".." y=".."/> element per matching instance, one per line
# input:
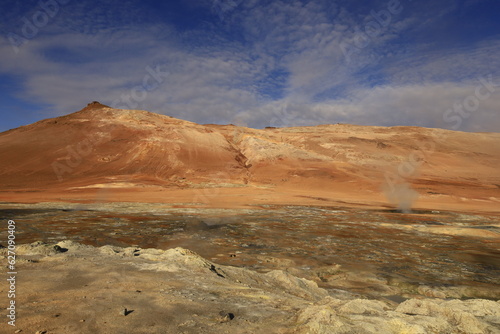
<point x="256" y="62"/>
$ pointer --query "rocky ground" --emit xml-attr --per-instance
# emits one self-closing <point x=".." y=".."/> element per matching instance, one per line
<point x="377" y="253"/>
<point x="73" y="288"/>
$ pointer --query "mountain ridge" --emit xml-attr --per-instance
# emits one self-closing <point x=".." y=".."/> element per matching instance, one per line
<point x="102" y="147"/>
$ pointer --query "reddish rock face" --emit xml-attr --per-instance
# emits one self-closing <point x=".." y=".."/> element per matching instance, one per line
<point x="133" y="151"/>
<point x="103" y="145"/>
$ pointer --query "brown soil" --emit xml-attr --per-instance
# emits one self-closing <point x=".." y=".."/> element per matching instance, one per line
<point x="104" y="154"/>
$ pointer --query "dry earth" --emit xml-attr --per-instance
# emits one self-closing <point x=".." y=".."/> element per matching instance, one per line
<point x="100" y="153"/>
<point x="82" y="289"/>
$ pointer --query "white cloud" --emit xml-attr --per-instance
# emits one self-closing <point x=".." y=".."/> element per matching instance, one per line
<point x="227" y="81"/>
<point x="416" y="105"/>
<point x="198" y="87"/>
<point x="455" y="65"/>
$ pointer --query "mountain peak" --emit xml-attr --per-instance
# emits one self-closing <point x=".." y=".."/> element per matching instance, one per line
<point x="95" y="105"/>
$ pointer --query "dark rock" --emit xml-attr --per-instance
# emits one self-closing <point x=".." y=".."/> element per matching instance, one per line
<point x="225" y="316"/>
<point x="125" y="312"/>
<point x="59" y="249"/>
<point x="96" y="104"/>
<point x="213" y="269"/>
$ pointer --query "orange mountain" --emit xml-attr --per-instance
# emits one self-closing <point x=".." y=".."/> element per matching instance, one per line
<point x="100" y="153"/>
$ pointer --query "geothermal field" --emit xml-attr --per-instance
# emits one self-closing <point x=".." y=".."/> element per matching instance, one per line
<point x="126" y="221"/>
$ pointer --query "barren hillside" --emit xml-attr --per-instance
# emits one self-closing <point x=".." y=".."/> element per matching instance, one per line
<point x="127" y="152"/>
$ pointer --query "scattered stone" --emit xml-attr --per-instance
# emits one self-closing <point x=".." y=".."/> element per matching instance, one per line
<point x="41" y="332"/>
<point x="125" y="312"/>
<point x="213" y="269"/>
<point x="225" y="316"/>
<point x="18" y="331"/>
<point x="58" y="249"/>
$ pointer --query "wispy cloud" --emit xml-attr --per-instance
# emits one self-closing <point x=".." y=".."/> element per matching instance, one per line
<point x="264" y="61"/>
